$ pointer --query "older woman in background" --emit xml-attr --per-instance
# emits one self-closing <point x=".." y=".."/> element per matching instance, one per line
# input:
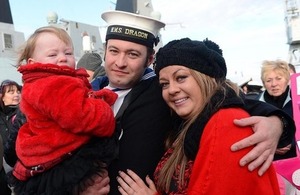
<point x="275" y="76"/>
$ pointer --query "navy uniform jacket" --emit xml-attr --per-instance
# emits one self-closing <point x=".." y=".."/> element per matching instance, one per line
<point x="145" y="122"/>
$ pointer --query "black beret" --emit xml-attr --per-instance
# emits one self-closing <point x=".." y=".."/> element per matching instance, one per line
<point x="203" y="56"/>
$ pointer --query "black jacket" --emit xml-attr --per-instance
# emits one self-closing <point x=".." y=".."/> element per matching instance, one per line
<point x="6" y="117"/>
<point x="283" y="102"/>
<point x="10" y="155"/>
<point x="145" y="122"/>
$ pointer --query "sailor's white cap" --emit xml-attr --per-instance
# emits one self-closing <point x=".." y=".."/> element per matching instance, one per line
<point x="132" y="27"/>
<point x="254" y="83"/>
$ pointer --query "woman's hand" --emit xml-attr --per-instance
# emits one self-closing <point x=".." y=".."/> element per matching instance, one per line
<point x="282" y="151"/>
<point x="131" y="183"/>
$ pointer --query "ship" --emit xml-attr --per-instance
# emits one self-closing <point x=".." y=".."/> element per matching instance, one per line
<point x="10" y="42"/>
<point x="86" y="38"/>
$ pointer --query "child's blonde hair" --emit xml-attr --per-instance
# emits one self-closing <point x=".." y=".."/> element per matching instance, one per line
<point x="28" y="48"/>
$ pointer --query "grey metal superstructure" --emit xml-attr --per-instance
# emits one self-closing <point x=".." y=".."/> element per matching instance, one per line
<point x="10" y="41"/>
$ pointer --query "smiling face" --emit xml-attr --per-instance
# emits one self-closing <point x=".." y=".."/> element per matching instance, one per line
<point x="50" y="49"/>
<point x="125" y="62"/>
<point x="181" y="91"/>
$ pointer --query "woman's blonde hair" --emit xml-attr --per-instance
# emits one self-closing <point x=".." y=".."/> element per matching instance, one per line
<point x="209" y="86"/>
<point x="279" y="66"/>
<point x="28" y="48"/>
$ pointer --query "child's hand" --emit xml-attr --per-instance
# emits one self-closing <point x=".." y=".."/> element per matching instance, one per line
<point x="107" y="95"/>
<point x="100" y="185"/>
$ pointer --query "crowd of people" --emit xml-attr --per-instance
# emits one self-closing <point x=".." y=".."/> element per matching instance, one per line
<point x="180" y="127"/>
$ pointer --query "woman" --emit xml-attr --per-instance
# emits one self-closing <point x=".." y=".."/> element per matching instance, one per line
<point x="10" y="95"/>
<point x="275" y="76"/>
<point x="198" y="158"/>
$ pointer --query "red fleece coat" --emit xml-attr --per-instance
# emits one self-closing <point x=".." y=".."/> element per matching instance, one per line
<point x="60" y="115"/>
<point x="216" y="169"/>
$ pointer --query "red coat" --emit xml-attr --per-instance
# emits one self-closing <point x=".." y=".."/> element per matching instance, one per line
<point x="216" y="169"/>
<point x="60" y="115"/>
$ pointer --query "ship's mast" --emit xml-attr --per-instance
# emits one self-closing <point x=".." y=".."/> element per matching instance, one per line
<point x="143" y="7"/>
<point x="5" y="13"/>
<point x="292" y="19"/>
<point x="126" y="5"/>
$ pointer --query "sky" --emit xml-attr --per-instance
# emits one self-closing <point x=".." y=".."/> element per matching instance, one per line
<point x="248" y="31"/>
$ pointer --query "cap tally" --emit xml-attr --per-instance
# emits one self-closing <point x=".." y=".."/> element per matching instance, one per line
<point x="132" y="27"/>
